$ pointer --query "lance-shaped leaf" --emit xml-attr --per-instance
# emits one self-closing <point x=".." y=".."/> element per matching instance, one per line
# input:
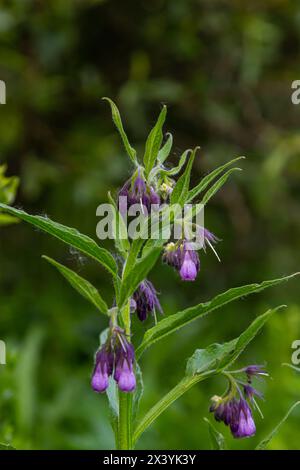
<point x="263" y="444"/>
<point x="71" y="236"/>
<point x="84" y="287"/>
<point x="180" y="191"/>
<point x="8" y="186"/>
<point x="165" y="150"/>
<point x="137" y="274"/>
<point x="118" y="123"/>
<point x="202" y="185"/>
<point x="154" y="141"/>
<point x="203" y="364"/>
<point x="135" y="248"/>
<point x="172" y="323"/>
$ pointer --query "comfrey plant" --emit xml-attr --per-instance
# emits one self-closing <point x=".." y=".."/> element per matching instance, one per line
<point x="154" y="189"/>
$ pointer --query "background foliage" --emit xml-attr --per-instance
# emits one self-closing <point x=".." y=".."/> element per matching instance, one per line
<point x="225" y="70"/>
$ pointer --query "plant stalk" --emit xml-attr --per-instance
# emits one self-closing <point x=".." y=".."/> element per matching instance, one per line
<point x="125" y="421"/>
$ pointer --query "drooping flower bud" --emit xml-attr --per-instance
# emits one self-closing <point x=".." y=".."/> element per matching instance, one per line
<point x="166" y="188"/>
<point x="236" y="414"/>
<point x="234" y="408"/>
<point x="173" y="255"/>
<point x="146" y="300"/>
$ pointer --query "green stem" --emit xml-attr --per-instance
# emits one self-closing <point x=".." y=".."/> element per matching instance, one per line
<point x="125" y="421"/>
<point x="183" y="386"/>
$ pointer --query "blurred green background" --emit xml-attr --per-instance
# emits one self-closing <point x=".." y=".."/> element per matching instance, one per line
<point x="225" y="69"/>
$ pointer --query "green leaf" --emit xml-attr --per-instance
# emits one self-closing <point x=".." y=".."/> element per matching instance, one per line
<point x="216" y="438"/>
<point x="208" y="179"/>
<point x="6" y="446"/>
<point x="215" y="188"/>
<point x="165" y="150"/>
<point x="68" y="235"/>
<point x="172" y="323"/>
<point x="181" y="188"/>
<point x="216" y="357"/>
<point x="263" y="444"/>
<point x="84" y="287"/>
<point x="137" y="274"/>
<point x="154" y="141"/>
<point x="118" y="123"/>
<point x="176" y="169"/>
<point x="7" y="219"/>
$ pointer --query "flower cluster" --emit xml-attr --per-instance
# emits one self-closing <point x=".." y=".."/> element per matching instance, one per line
<point x="234" y="409"/>
<point x="115" y="357"/>
<point x="152" y="192"/>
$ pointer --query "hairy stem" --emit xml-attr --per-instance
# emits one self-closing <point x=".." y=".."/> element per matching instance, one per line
<point x="183" y="386"/>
